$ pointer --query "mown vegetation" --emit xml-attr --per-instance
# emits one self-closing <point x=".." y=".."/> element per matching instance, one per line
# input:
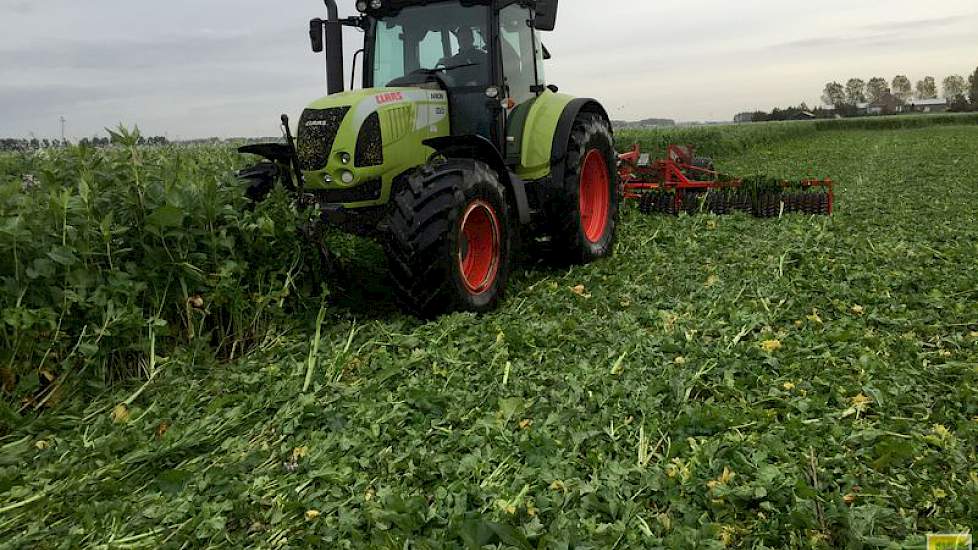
<point x="723" y="381"/>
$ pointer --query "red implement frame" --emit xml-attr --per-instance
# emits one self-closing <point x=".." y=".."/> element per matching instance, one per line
<point x="678" y="173"/>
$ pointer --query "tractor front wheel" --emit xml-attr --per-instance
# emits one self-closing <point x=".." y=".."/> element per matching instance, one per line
<point x="584" y="208"/>
<point x="449" y="237"/>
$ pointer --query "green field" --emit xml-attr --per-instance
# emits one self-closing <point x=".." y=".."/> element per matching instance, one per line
<point x="721" y="382"/>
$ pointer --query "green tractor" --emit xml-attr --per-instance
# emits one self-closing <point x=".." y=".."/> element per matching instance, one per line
<point x="455" y="149"/>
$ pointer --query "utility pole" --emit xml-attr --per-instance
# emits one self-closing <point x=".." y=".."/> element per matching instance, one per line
<point x="62" y="129"/>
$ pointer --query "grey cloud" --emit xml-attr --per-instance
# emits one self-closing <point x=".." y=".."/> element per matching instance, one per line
<point x="855" y="42"/>
<point x="918" y="24"/>
<point x="156" y="63"/>
<point x="23" y="8"/>
<point x="121" y="54"/>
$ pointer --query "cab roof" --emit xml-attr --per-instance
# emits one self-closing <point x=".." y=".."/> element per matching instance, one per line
<point x="392" y="7"/>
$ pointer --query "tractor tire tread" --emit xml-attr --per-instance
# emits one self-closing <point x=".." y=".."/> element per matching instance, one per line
<point x="417" y="233"/>
<point x="564" y="208"/>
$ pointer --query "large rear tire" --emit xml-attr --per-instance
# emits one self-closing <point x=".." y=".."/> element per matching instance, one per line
<point x="449" y="239"/>
<point x="583" y="212"/>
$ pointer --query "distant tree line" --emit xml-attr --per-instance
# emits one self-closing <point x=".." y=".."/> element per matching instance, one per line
<point x="851" y="98"/>
<point x="960" y="94"/>
<point x="788" y="113"/>
<point x="33" y="144"/>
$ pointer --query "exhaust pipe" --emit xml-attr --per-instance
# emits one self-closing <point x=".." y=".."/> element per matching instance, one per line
<point x="334" y="49"/>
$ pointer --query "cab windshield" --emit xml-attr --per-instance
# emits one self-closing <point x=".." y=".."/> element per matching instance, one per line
<point x="445" y="39"/>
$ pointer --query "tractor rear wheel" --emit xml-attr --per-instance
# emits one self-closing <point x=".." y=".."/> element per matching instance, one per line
<point x="583" y="211"/>
<point x="448" y="239"/>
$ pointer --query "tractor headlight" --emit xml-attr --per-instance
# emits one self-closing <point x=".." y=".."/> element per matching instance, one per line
<point x="344" y="157"/>
<point x="346" y="177"/>
<point x="376" y="4"/>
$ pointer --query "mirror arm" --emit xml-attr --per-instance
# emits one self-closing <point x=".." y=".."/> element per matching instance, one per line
<point x="358" y="22"/>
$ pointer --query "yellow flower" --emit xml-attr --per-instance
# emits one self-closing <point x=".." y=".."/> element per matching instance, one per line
<point x="858" y="309"/>
<point x="788" y="386"/>
<point x="725" y="478"/>
<point x="942" y="431"/>
<point x="299" y="452"/>
<point x="727" y="534"/>
<point x="814" y="317"/>
<point x="679" y="360"/>
<point x="861" y="403"/>
<point x="581" y="291"/>
<point x="665" y="521"/>
<point x="312" y="514"/>
<point x="679" y="468"/>
<point x="771" y="346"/>
<point x="525" y="423"/>
<point x="120" y="414"/>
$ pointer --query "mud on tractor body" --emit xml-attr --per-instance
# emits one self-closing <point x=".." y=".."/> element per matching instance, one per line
<point x="454" y="148"/>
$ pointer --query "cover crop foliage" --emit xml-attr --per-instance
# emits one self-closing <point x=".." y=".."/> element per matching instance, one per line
<point x="107" y="254"/>
<point x="723" y="381"/>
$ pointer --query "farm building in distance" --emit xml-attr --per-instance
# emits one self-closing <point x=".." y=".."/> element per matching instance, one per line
<point x="803" y="115"/>
<point x="888" y="104"/>
<point x="925" y="106"/>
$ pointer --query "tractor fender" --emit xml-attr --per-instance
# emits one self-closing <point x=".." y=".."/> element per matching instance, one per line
<point x="479" y="148"/>
<point x="563" y="133"/>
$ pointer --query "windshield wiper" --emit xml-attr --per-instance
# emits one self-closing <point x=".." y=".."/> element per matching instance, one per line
<point x="453" y="67"/>
<point x="446" y="69"/>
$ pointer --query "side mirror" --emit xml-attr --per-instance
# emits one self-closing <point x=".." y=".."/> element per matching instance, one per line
<point x="316" y="35"/>
<point x="546" y="18"/>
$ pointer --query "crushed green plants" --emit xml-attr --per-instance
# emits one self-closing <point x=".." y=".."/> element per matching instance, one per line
<point x="177" y="372"/>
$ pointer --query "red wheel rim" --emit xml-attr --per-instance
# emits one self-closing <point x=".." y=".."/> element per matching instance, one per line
<point x="478" y="251"/>
<point x="594" y="195"/>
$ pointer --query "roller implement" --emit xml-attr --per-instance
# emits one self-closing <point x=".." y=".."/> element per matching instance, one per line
<point x="683" y="182"/>
<point x="455" y="148"/>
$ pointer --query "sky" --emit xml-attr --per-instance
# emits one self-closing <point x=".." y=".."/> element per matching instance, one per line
<point x="193" y="68"/>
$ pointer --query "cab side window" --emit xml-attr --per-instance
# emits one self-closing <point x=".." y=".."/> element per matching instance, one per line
<point x="519" y="56"/>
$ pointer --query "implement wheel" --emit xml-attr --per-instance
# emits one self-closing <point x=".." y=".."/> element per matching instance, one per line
<point x="583" y="212"/>
<point x="448" y="239"/>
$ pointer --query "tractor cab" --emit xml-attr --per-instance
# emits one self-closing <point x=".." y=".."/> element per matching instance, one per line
<point x="485" y="55"/>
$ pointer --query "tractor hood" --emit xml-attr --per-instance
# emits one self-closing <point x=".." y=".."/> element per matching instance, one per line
<point x="350" y="138"/>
